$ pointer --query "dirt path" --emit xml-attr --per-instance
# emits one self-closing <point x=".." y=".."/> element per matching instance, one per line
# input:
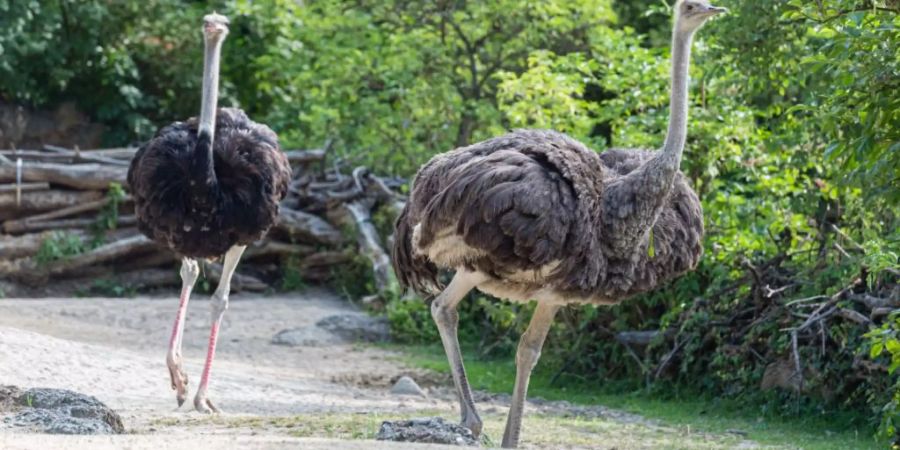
<point x="273" y="396"/>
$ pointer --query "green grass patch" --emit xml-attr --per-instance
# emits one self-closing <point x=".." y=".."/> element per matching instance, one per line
<point x="681" y="410"/>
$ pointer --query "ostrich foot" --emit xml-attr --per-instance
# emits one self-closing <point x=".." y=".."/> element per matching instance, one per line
<point x="179" y="378"/>
<point x="473" y="423"/>
<point x="204" y="405"/>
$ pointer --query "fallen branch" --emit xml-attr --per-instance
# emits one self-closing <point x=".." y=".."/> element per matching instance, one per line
<point x="79" y="176"/>
<point x="21" y="225"/>
<point x="370" y="244"/>
<point x="305" y="226"/>
<point x="24" y="187"/>
<point x="44" y="200"/>
<point x="34" y="226"/>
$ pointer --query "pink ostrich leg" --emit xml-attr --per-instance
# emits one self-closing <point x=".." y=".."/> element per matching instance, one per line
<point x="219" y="305"/>
<point x="189" y="273"/>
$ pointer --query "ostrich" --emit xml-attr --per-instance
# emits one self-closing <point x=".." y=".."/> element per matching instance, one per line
<point x="537" y="215"/>
<point x="204" y="188"/>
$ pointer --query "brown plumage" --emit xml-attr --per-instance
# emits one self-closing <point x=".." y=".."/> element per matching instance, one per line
<point x="527" y="209"/>
<point x="535" y="215"/>
<point x="201" y="214"/>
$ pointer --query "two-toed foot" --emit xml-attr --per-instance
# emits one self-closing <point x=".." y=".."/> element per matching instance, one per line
<point x="204" y="405"/>
<point x="178" y="376"/>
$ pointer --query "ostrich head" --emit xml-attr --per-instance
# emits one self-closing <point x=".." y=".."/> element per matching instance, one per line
<point x="215" y="26"/>
<point x="692" y="14"/>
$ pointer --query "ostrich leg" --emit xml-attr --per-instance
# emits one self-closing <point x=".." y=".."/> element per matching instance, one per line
<point x="526" y="357"/>
<point x="443" y="310"/>
<point x="219" y="305"/>
<point x="189" y="273"/>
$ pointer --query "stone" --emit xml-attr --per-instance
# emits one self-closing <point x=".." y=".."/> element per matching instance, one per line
<point x="305" y="337"/>
<point x="407" y="386"/>
<point x="357" y="327"/>
<point x="432" y="430"/>
<point x="58" y="411"/>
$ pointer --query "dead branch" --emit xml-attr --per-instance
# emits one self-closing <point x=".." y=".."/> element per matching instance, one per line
<point x="305" y="226"/>
<point x="79" y="176"/>
<point x="21" y="225"/>
<point x="26" y="245"/>
<point x="44" y="200"/>
<point x="370" y="244"/>
<point x="24" y="187"/>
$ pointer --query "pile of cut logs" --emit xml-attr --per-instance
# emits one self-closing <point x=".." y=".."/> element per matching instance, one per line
<point x="57" y="193"/>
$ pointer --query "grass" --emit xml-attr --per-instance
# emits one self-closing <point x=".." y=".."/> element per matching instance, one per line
<point x="543" y="431"/>
<point x="691" y="415"/>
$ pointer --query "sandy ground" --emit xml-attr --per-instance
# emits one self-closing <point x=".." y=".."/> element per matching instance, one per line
<point x="114" y="349"/>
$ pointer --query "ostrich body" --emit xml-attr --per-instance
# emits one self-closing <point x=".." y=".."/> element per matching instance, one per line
<point x="536" y="215"/>
<point x="204" y="188"/>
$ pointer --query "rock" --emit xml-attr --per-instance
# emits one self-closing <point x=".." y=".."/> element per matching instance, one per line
<point x="305" y="337"/>
<point x="431" y="430"/>
<point x="357" y="327"/>
<point x="407" y="386"/>
<point x="58" y="411"/>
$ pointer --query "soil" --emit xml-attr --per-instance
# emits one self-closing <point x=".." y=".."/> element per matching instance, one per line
<point x="272" y="396"/>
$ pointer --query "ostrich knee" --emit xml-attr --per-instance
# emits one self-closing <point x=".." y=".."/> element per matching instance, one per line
<point x="190" y="271"/>
<point x="443" y="315"/>
<point x="528" y="354"/>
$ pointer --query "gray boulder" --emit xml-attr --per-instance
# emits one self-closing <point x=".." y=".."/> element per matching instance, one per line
<point x="305" y="337"/>
<point x="57" y="411"/>
<point x="432" y="430"/>
<point x="357" y="327"/>
<point x="407" y="386"/>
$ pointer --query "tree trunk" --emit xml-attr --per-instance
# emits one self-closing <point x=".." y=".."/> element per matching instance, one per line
<point x="307" y="227"/>
<point x="370" y="244"/>
<point x="44" y="200"/>
<point x="80" y="176"/>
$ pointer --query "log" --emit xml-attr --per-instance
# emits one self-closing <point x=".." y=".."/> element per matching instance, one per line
<point x="44" y="200"/>
<point x="325" y="259"/>
<point x="34" y="226"/>
<point x="21" y="225"/>
<point x="29" y="270"/>
<point x="148" y="278"/>
<point x="305" y="156"/>
<point x="275" y="248"/>
<point x="305" y="226"/>
<point x="24" y="187"/>
<point x="26" y="245"/>
<point x="104" y="253"/>
<point x="78" y="156"/>
<point x="370" y="244"/>
<point x="239" y="282"/>
<point x="158" y="257"/>
<point x="80" y="176"/>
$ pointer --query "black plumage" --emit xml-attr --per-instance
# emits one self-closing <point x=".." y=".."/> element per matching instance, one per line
<point x="198" y="207"/>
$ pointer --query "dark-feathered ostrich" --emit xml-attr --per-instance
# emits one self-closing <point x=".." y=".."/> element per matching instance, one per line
<point x="205" y="188"/>
<point x="537" y="215"/>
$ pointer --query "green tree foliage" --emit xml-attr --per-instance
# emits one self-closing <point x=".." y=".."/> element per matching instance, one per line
<point x="793" y="142"/>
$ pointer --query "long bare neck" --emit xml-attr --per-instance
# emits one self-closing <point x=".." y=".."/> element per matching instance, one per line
<point x="211" y="56"/>
<point x="203" y="175"/>
<point x="678" y="101"/>
<point x="632" y="203"/>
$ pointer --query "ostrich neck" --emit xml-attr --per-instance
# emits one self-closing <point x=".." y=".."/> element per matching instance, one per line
<point x="678" y="101"/>
<point x="631" y="204"/>
<point x="211" y="57"/>
<point x="203" y="174"/>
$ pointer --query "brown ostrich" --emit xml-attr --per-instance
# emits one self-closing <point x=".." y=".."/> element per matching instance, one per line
<point x="204" y="188"/>
<point x="536" y="215"/>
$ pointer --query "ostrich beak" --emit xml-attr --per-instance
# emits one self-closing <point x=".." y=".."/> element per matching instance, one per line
<point x="713" y="10"/>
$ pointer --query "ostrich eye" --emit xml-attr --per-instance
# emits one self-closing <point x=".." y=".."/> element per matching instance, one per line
<point x="689" y="7"/>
